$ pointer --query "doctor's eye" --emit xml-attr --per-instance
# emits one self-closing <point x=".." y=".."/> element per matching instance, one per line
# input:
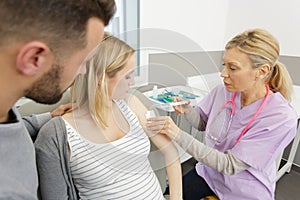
<point x="229" y="66"/>
<point x="232" y="68"/>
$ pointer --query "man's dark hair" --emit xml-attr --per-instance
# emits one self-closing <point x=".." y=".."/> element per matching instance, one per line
<point x="60" y="24"/>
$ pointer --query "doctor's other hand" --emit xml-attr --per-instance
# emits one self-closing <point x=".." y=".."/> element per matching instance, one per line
<point x="182" y="109"/>
<point x="163" y="125"/>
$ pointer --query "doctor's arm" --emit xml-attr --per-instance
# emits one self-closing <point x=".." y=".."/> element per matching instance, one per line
<point x="225" y="163"/>
<point x="191" y="115"/>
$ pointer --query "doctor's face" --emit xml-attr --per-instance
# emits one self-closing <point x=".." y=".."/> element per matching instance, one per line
<point x="238" y="73"/>
<point x="119" y="85"/>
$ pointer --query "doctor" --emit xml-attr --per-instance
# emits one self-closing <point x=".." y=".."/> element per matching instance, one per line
<point x="247" y="121"/>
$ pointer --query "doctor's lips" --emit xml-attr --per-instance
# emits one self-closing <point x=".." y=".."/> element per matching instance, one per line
<point x="226" y="84"/>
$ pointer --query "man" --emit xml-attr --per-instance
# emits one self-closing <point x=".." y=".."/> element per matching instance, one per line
<point x="44" y="45"/>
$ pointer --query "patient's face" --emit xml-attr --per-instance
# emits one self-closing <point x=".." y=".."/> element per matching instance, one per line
<point x="119" y="85"/>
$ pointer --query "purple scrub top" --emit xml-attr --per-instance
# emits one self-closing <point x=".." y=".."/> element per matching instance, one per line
<point x="272" y="130"/>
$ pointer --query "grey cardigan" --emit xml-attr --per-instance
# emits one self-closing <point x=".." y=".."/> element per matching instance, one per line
<point x="52" y="157"/>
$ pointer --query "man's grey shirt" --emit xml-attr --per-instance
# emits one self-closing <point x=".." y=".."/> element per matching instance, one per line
<point x="18" y="173"/>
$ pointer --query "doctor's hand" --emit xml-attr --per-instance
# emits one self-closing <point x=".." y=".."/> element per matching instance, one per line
<point x="164" y="125"/>
<point x="182" y="109"/>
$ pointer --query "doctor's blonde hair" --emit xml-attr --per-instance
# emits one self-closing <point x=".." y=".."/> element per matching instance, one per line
<point x="91" y="88"/>
<point x="263" y="48"/>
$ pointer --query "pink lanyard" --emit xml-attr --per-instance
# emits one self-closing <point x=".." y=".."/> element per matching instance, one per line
<point x="253" y="117"/>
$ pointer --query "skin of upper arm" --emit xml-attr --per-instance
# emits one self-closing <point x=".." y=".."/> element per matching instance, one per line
<point x="165" y="145"/>
<point x="162" y="142"/>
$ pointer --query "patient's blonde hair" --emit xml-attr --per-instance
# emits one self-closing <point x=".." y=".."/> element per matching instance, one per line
<point x="91" y="88"/>
<point x="263" y="48"/>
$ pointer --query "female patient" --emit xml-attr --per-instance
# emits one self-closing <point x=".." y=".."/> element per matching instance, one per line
<point x="100" y="149"/>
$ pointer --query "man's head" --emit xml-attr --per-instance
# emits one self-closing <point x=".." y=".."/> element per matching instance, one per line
<point x="48" y="41"/>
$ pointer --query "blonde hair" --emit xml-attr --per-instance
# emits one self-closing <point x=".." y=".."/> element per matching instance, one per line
<point x="263" y="48"/>
<point x="91" y="88"/>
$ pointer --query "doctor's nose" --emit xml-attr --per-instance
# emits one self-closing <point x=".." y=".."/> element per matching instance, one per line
<point x="224" y="73"/>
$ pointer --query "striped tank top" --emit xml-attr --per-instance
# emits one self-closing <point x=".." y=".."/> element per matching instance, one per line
<point x="115" y="170"/>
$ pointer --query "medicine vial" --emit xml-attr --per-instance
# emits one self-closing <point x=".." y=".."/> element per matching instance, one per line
<point x="150" y="114"/>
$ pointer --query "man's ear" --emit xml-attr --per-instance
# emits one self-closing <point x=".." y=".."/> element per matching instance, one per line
<point x="32" y="57"/>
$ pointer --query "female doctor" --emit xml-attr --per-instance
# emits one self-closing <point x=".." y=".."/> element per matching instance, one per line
<point x="248" y="121"/>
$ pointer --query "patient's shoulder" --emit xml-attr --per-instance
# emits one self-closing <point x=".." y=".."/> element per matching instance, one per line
<point x="132" y="100"/>
<point x="52" y="130"/>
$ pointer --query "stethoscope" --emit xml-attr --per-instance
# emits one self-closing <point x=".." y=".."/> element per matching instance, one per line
<point x="233" y="107"/>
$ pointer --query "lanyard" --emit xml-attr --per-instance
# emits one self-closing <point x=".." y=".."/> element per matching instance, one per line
<point x="233" y="105"/>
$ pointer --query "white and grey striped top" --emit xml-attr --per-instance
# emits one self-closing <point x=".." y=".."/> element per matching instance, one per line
<point x="115" y="170"/>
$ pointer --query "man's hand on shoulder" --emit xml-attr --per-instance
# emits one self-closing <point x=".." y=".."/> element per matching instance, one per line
<point x="61" y="110"/>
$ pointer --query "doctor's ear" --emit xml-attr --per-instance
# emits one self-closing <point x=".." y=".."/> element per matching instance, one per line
<point x="32" y="57"/>
<point x="263" y="71"/>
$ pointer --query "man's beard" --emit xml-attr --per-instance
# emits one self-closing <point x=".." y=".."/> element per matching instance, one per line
<point x="47" y="90"/>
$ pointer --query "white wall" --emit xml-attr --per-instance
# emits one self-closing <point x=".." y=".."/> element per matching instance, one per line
<point x="203" y="21"/>
<point x="211" y="23"/>
<point x="193" y="25"/>
<point x="281" y="18"/>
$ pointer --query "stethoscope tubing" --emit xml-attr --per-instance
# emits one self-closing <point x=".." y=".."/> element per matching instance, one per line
<point x="233" y="107"/>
